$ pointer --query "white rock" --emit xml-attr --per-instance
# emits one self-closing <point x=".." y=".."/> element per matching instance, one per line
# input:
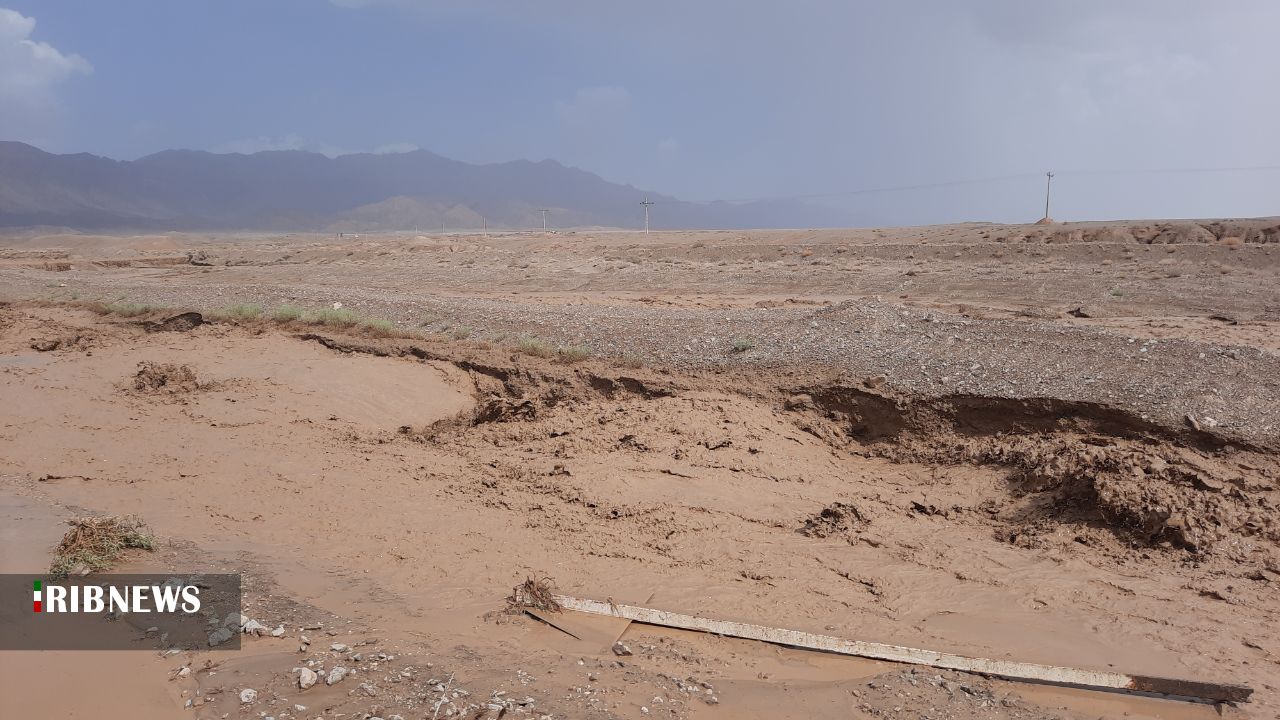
<point x="339" y="647"/>
<point x="299" y="708"/>
<point x="253" y="626"/>
<point x="236" y="620"/>
<point x="336" y="675"/>
<point x="248" y="695"/>
<point x="184" y="672"/>
<point x="307" y="678"/>
<point x="278" y="632"/>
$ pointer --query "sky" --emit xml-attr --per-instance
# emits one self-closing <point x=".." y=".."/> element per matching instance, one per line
<point x="713" y="99"/>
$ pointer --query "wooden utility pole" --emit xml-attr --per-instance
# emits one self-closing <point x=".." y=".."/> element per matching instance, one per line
<point x="1048" y="183"/>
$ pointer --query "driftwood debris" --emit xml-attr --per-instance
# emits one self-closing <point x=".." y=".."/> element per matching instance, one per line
<point x="1095" y="679"/>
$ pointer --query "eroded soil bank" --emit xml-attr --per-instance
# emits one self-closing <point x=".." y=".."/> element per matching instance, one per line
<point x="383" y="496"/>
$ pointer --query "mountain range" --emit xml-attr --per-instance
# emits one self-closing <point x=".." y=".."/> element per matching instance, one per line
<point x="296" y="190"/>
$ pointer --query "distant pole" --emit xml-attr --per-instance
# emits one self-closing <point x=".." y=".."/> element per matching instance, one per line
<point x="1048" y="183"/>
<point x="441" y="227"/>
<point x="544" y="219"/>
<point x="484" y="223"/>
<point x="646" y="203"/>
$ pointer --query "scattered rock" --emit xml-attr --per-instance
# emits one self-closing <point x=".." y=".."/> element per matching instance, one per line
<point x="336" y="675"/>
<point x="306" y="678"/>
<point x="621" y="650"/>
<point x="248" y="695"/>
<point x="221" y="635"/>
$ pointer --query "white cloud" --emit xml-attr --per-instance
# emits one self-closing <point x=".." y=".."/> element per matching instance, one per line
<point x="29" y="72"/>
<point x="594" y="106"/>
<point x="294" y="141"/>
<point x="394" y="148"/>
<point x="249" y="146"/>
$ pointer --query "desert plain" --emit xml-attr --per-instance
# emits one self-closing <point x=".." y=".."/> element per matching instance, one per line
<point x="1045" y="443"/>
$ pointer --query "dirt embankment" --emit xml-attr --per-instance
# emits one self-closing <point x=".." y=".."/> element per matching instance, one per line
<point x="405" y="485"/>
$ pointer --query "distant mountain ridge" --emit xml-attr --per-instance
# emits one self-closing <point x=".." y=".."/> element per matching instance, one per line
<point x="296" y="190"/>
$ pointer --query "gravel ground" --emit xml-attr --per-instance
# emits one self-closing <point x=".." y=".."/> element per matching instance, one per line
<point x="930" y="353"/>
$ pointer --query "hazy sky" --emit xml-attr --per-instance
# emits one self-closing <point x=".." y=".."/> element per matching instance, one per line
<point x="702" y="99"/>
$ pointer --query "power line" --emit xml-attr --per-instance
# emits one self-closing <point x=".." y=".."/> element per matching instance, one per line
<point x="646" y="203"/>
<point x="1003" y="178"/>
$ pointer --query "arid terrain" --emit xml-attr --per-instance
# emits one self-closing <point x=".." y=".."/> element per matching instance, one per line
<point x="1051" y="443"/>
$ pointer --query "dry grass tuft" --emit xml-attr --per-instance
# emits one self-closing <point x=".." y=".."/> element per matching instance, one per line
<point x="94" y="544"/>
<point x="121" y="308"/>
<point x="533" y="594"/>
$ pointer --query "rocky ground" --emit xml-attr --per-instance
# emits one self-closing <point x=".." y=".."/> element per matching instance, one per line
<point x="1012" y="461"/>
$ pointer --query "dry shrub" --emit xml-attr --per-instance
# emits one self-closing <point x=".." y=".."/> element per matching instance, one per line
<point x="533" y="594"/>
<point x="94" y="544"/>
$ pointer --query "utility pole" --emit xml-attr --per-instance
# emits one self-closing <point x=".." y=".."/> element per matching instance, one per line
<point x="484" y="223"/>
<point x="646" y="203"/>
<point x="1048" y="183"/>
<point x="544" y="212"/>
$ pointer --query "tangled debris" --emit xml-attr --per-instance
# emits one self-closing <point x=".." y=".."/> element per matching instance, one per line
<point x="94" y="544"/>
<point x="834" y="519"/>
<point x="164" y="378"/>
<point x="533" y="594"/>
<point x="182" y="322"/>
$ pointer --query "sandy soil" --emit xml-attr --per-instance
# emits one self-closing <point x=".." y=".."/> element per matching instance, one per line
<point x="386" y="494"/>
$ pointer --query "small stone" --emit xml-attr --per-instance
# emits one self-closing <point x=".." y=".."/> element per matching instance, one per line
<point x="221" y="635"/>
<point x="184" y="672"/>
<point x="339" y="647"/>
<point x="254" y="627"/>
<point x="620" y="649"/>
<point x="307" y="678"/>
<point x="299" y="708"/>
<point x="336" y="675"/>
<point x="278" y="632"/>
<point x="248" y="695"/>
<point x="305" y="640"/>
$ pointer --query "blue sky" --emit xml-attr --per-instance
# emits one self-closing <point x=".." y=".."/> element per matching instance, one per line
<point x="703" y="100"/>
